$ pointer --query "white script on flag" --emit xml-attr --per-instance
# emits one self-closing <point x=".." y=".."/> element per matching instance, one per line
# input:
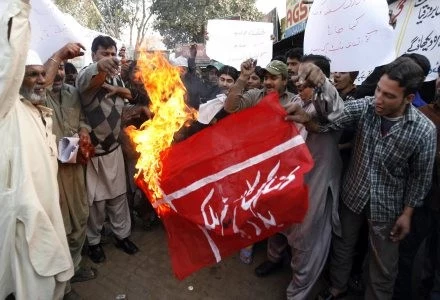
<point x="223" y="215"/>
<point x="232" y="42"/>
<point x="350" y="33"/>
<point x="247" y="202"/>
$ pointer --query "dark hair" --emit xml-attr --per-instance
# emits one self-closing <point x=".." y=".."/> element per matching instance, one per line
<point x="103" y="41"/>
<point x="69" y="68"/>
<point x="353" y="75"/>
<point x="280" y="58"/>
<point x="295" y="53"/>
<point x="407" y="73"/>
<point x="260" y="72"/>
<point x="228" y="70"/>
<point x="421" y="60"/>
<point x="321" y="61"/>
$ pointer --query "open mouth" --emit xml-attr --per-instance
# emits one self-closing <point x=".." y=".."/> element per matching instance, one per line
<point x="39" y="91"/>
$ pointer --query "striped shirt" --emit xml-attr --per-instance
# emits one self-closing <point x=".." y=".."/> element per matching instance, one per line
<point x="387" y="171"/>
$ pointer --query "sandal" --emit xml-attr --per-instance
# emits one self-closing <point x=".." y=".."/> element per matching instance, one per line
<point x="84" y="274"/>
<point x="246" y="255"/>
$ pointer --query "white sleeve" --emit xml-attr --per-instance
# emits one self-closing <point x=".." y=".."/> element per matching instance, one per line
<point x="13" y="52"/>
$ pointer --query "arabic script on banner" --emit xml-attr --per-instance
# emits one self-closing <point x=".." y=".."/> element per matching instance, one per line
<point x="350" y="33"/>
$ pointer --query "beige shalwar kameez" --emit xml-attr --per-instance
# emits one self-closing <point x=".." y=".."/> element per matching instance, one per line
<point x="68" y="119"/>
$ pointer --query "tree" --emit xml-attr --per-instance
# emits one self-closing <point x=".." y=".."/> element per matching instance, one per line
<point x="84" y="11"/>
<point x="139" y="18"/>
<point x="184" y="21"/>
<point x="114" y="14"/>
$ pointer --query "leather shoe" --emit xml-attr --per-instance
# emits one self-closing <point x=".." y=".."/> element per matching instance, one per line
<point x="326" y="295"/>
<point x="128" y="246"/>
<point x="267" y="267"/>
<point x="96" y="253"/>
<point x="72" y="295"/>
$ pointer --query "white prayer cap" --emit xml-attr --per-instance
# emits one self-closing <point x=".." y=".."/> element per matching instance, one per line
<point x="33" y="59"/>
<point x="180" y="62"/>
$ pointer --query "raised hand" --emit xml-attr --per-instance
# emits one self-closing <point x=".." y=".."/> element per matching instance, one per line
<point x="69" y="51"/>
<point x="109" y="65"/>
<point x="247" y="68"/>
<point x="310" y="75"/>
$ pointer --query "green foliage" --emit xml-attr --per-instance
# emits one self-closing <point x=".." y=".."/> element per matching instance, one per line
<point x="115" y="15"/>
<point x="83" y="11"/>
<point x="184" y="21"/>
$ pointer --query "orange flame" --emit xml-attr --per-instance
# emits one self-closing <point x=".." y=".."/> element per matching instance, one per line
<point x="167" y="93"/>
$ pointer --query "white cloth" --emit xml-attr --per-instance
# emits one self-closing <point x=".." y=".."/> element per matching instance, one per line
<point x="68" y="149"/>
<point x="105" y="176"/>
<point x="33" y="59"/>
<point x="208" y="110"/>
<point x="28" y="182"/>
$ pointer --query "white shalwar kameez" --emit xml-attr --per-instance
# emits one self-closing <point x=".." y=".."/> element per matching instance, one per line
<point x="35" y="262"/>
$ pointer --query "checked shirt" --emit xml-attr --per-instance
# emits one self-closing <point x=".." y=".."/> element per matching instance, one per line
<point x="390" y="171"/>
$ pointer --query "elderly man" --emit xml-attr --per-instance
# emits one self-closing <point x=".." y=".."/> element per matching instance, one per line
<point x="388" y="177"/>
<point x="102" y="97"/>
<point x="34" y="255"/>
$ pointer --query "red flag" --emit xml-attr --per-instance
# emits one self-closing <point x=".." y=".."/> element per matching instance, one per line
<point x="231" y="185"/>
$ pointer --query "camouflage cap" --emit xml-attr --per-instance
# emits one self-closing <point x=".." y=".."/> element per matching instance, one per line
<point x="276" y="67"/>
<point x="215" y="64"/>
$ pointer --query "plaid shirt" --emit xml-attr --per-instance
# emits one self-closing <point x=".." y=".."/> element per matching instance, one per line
<point x="390" y="171"/>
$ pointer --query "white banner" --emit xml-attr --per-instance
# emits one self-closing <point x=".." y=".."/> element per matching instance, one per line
<point x="51" y="29"/>
<point x="355" y="34"/>
<point x="418" y="30"/>
<point x="232" y="42"/>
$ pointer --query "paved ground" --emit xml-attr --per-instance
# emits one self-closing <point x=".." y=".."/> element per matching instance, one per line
<point x="148" y="275"/>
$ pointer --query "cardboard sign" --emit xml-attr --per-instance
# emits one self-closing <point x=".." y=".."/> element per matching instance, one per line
<point x="352" y="34"/>
<point x="232" y="42"/>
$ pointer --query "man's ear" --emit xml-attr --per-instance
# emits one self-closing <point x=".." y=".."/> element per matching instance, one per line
<point x="409" y="99"/>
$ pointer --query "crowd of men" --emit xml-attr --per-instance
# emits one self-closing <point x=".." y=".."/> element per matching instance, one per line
<point x="373" y="191"/>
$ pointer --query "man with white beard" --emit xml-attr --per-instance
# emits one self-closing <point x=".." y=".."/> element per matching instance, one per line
<point x="34" y="255"/>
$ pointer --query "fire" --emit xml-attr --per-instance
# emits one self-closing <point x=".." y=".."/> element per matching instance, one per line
<point x="167" y="93"/>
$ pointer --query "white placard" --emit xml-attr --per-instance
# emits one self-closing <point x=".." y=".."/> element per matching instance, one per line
<point x="418" y="30"/>
<point x="51" y="29"/>
<point x="232" y="42"/>
<point x="355" y="35"/>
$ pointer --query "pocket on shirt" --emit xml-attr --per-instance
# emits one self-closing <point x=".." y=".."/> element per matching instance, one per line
<point x="71" y="120"/>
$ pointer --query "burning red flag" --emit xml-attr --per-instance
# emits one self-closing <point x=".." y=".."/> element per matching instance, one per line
<point x="231" y="185"/>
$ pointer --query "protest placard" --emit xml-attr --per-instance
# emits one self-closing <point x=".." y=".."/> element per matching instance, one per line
<point x="353" y="34"/>
<point x="232" y="42"/>
<point x="51" y="29"/>
<point x="418" y="30"/>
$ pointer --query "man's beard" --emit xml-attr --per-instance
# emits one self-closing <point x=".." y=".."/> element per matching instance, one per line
<point x="33" y="97"/>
